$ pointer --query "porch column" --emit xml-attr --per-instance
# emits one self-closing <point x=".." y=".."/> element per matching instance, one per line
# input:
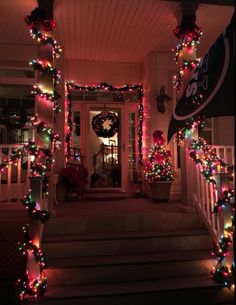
<point x="150" y="91"/>
<point x="188" y="179"/>
<point x="60" y="117"/>
<point x="188" y="170"/>
<point x="43" y="107"/>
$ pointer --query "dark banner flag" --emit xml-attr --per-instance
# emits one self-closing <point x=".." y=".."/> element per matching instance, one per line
<point x="210" y="92"/>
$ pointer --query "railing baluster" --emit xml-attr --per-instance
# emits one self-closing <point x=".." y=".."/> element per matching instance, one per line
<point x="19" y="180"/>
<point x="12" y="187"/>
<point x="9" y="170"/>
<point x="207" y="195"/>
<point x="212" y="203"/>
<point x="208" y="211"/>
<point x="1" y="161"/>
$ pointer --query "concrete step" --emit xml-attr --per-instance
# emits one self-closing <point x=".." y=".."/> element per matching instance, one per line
<point x="185" y="291"/>
<point x="105" y="195"/>
<point x="126" y="243"/>
<point x="121" y="223"/>
<point x="108" y="269"/>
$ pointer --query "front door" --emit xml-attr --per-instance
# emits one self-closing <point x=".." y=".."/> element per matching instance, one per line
<point x="111" y="160"/>
<point x="105" y="148"/>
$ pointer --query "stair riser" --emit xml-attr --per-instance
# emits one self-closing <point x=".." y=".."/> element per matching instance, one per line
<point x="128" y="223"/>
<point x="126" y="246"/>
<point x="127" y="272"/>
<point x="204" y="296"/>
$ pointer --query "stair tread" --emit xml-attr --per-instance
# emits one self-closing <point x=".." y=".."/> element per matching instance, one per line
<point x="70" y="291"/>
<point x="73" y="262"/>
<point x="122" y="235"/>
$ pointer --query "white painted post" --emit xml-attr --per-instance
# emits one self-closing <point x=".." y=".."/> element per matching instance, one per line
<point x="35" y="228"/>
<point x="225" y="217"/>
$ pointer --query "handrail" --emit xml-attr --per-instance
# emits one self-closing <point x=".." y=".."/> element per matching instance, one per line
<point x="206" y="195"/>
<point x="11" y="187"/>
<point x="214" y="203"/>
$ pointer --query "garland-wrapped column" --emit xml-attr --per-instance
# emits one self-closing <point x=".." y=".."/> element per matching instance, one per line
<point x="225" y="218"/>
<point x="41" y="150"/>
<point x="185" y="56"/>
<point x="35" y="229"/>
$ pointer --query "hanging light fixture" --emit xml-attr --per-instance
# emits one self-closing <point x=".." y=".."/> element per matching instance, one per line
<point x="162" y="100"/>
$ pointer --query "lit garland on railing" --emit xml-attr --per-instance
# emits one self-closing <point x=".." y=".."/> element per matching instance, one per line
<point x="39" y="153"/>
<point x="105" y="87"/>
<point x="34" y="288"/>
<point x="190" y="35"/>
<point x="206" y="157"/>
<point x="183" y="133"/>
<point x="221" y="273"/>
<point x="38" y="286"/>
<point x="13" y="159"/>
<point x="28" y="245"/>
<point x="222" y="202"/>
<point x="33" y="210"/>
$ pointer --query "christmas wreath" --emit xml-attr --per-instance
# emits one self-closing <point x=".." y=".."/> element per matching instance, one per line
<point x="111" y="127"/>
<point x="13" y="117"/>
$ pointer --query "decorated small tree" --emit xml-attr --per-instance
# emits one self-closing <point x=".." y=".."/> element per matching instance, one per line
<point x="159" y="167"/>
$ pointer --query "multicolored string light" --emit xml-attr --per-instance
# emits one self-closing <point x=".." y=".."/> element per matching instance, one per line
<point x="190" y="35"/>
<point x="189" y="129"/>
<point x="226" y="200"/>
<point x="105" y="87"/>
<point x="205" y="156"/>
<point x="47" y="131"/>
<point x="223" y="274"/>
<point x="35" y="287"/>
<point x="158" y="167"/>
<point x="41" y="157"/>
<point x="46" y="68"/>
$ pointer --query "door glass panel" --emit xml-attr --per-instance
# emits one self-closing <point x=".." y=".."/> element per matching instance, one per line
<point x="76" y="140"/>
<point x="131" y="146"/>
<point x="105" y="156"/>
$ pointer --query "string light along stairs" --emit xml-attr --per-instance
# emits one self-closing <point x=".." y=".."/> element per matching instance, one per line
<point x="129" y="252"/>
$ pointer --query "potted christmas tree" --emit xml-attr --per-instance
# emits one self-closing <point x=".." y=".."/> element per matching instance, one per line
<point x="158" y="170"/>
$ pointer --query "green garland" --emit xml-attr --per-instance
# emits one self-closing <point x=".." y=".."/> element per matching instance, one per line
<point x="98" y="121"/>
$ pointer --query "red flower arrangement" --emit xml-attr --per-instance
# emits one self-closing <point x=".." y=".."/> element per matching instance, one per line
<point x="158" y="167"/>
<point x="74" y="177"/>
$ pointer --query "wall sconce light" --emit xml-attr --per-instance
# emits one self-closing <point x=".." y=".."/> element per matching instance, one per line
<point x="162" y="100"/>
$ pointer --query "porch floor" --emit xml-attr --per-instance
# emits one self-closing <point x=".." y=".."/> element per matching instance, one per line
<point x="125" y="206"/>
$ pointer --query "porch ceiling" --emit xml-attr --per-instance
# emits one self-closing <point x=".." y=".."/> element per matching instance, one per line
<point x="113" y="30"/>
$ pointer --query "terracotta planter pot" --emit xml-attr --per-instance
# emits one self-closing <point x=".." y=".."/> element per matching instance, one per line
<point x="160" y="190"/>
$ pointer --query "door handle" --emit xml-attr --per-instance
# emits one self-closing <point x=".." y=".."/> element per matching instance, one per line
<point x="123" y="147"/>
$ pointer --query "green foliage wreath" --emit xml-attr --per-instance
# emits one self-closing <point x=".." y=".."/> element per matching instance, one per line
<point x="100" y="119"/>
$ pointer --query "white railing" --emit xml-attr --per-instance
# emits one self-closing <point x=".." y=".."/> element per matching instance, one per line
<point x="14" y="180"/>
<point x="207" y="195"/>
